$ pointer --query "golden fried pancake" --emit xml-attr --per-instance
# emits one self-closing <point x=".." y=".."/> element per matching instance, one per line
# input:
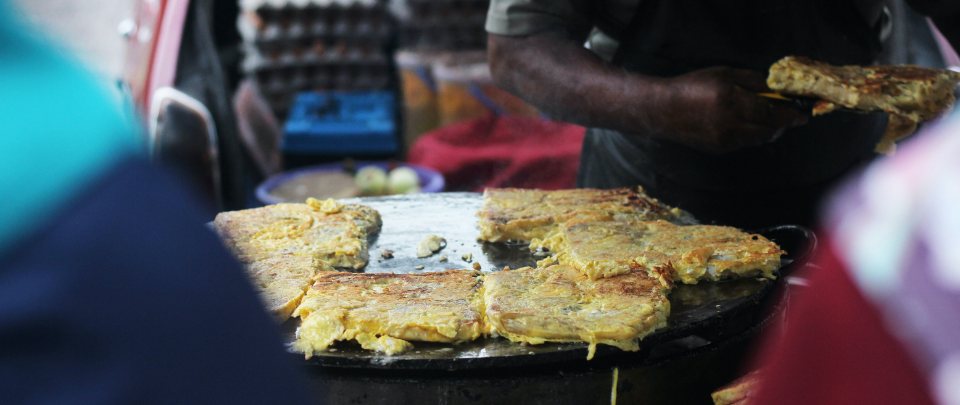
<point x="739" y="391"/>
<point x="607" y="249"/>
<point x="524" y="215"/>
<point x="329" y="231"/>
<point x="283" y="280"/>
<point x="910" y="94"/>
<point x="560" y="304"/>
<point x="692" y="253"/>
<point x="384" y="311"/>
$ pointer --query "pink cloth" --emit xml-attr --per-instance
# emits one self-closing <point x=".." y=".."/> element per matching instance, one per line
<point x="949" y="54"/>
<point x="880" y="320"/>
<point x="835" y="348"/>
<point x="502" y="151"/>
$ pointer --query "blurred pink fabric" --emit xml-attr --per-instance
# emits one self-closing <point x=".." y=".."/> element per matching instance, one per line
<point x="949" y="54"/>
<point x="880" y="320"/>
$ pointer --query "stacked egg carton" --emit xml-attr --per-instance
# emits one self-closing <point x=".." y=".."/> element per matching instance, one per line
<point x="445" y="25"/>
<point x="317" y="45"/>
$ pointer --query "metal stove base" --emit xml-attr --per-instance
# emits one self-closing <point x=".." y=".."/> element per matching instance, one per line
<point x="674" y="376"/>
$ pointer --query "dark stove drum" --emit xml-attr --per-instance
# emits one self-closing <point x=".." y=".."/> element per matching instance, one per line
<point x="709" y="330"/>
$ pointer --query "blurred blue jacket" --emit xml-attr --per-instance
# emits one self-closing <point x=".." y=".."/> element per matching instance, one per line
<point x="112" y="290"/>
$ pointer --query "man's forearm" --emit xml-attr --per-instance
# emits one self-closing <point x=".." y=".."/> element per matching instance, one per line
<point x="570" y="83"/>
<point x="715" y="109"/>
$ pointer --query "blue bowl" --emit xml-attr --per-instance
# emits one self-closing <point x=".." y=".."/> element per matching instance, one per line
<point x="431" y="181"/>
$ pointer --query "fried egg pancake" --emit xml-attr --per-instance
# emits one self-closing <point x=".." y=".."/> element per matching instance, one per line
<point x="740" y="390"/>
<point x="328" y="231"/>
<point x="282" y="281"/>
<point x="510" y="214"/>
<point x="384" y="311"/>
<point x="909" y="94"/>
<point x="693" y="252"/>
<point x="560" y="304"/>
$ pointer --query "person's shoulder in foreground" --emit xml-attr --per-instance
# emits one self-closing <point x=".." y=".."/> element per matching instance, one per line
<point x="878" y="323"/>
<point x="111" y="289"/>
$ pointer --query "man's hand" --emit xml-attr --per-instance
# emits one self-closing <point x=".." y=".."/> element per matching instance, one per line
<point x="717" y="110"/>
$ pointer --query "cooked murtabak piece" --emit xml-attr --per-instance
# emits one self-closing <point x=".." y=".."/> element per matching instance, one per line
<point x="384" y="311"/>
<point x="510" y="214"/>
<point x="909" y="94"/>
<point x="285" y="246"/>
<point x="282" y="281"/>
<point x="329" y="231"/>
<point x="666" y="251"/>
<point x="560" y="304"/>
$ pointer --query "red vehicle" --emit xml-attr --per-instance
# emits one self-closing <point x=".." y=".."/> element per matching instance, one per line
<point x="181" y="68"/>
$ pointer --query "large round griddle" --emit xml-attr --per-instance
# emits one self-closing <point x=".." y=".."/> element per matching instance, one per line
<point x="705" y="311"/>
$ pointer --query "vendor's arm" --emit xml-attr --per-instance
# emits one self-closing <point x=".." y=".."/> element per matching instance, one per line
<point x="714" y="110"/>
<point x="945" y="15"/>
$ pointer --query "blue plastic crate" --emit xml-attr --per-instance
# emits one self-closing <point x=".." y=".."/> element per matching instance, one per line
<point x="356" y="123"/>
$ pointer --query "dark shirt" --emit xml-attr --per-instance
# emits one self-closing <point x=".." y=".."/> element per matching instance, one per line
<point x="772" y="184"/>
<point x="112" y="290"/>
